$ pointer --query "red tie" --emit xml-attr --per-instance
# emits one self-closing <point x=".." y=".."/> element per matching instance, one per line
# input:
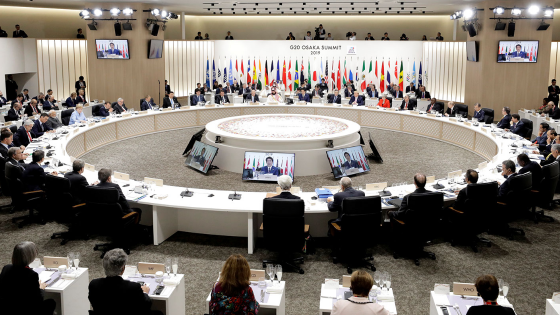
<point x="29" y="136"/>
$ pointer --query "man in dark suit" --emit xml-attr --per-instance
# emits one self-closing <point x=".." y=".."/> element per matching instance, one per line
<point x="228" y="88"/>
<point x="199" y="36"/>
<point x="349" y="163"/>
<point x="19" y="32"/>
<point x="167" y="88"/>
<point x="218" y="89"/>
<point x="530" y="166"/>
<point x="49" y="103"/>
<point x="105" y="181"/>
<point x="229" y="37"/>
<point x="171" y="101"/>
<point x="397" y="92"/>
<point x="517" y="126"/>
<point x="451" y="110"/>
<point x="285" y="183"/>
<point x="306" y="85"/>
<point x="26" y="96"/>
<point x="508" y="171"/>
<point x="105" y="110"/>
<point x="371" y="91"/>
<point x="421" y="93"/>
<point x="270" y="168"/>
<point x="119" y="107"/>
<point x="553" y="97"/>
<point x="14" y="112"/>
<point x="80" y="84"/>
<point x="335" y="98"/>
<point x="80" y="34"/>
<point x="24" y="135"/>
<point x="323" y="86"/>
<point x="81" y="97"/>
<point x="198" y="98"/>
<point x="407" y="103"/>
<point x="348" y="92"/>
<point x="369" y="37"/>
<point x="471" y="177"/>
<point x="6" y="139"/>
<point x="479" y="114"/>
<point x="77" y="181"/>
<point x="253" y="97"/>
<point x="334" y="203"/>
<point x="11" y="88"/>
<point x="115" y="295"/>
<point x="554" y="87"/>
<point x="34" y="175"/>
<point x="112" y="50"/>
<point x="40" y="127"/>
<point x="235" y="85"/>
<point x="411" y="88"/>
<point x="3" y="33"/>
<point x="317" y="92"/>
<point x="3" y="100"/>
<point x="147" y="103"/>
<point x="39" y="98"/>
<point x="546" y="147"/>
<point x="506" y="119"/>
<point x="518" y="53"/>
<point x="72" y="101"/>
<point x="302" y="96"/>
<point x="357" y="99"/>
<point x="256" y="86"/>
<point x="244" y="90"/>
<point x="404" y="213"/>
<point x="17" y="158"/>
<point x="222" y="98"/>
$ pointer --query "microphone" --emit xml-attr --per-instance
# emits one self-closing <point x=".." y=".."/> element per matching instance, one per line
<point x="384" y="193"/>
<point x="186" y="193"/>
<point x="438" y="185"/>
<point x="234" y="196"/>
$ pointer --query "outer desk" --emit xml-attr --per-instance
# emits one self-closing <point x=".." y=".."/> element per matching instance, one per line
<point x="241" y="218"/>
<point x="71" y="298"/>
<point x="552" y="308"/>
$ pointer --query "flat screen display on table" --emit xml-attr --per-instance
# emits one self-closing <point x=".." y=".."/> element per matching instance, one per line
<point x="518" y="51"/>
<point x="155" y="51"/>
<point x="112" y="48"/>
<point x="201" y="156"/>
<point x="348" y="161"/>
<point x="267" y="166"/>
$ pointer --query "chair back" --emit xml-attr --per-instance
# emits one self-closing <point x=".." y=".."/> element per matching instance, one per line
<point x="283" y="224"/>
<point x="329" y="96"/>
<point x="361" y="220"/>
<point x="528" y="123"/>
<point x="103" y="210"/>
<point x="425" y="210"/>
<point x="141" y="101"/>
<point x="13" y="128"/>
<point x="549" y="183"/>
<point x="13" y="181"/>
<point x="191" y="99"/>
<point x="95" y="109"/>
<point x="6" y="118"/>
<point x="65" y="116"/>
<point x="488" y="115"/>
<point x="519" y="196"/>
<point x="58" y="195"/>
<point x="462" y="109"/>
<point x="481" y="202"/>
<point x="3" y="182"/>
<point x="441" y="105"/>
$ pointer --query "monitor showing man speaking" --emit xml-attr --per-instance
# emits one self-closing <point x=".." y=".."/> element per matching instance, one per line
<point x="201" y="156"/>
<point x="112" y="48"/>
<point x="268" y="166"/>
<point x="518" y="51"/>
<point x="348" y="161"/>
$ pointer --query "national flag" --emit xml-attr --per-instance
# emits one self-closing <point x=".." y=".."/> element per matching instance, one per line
<point x="236" y="69"/>
<point x="242" y="75"/>
<point x="309" y="71"/>
<point x="296" y="77"/>
<point x="271" y="78"/>
<point x="266" y="72"/>
<point x="338" y="85"/>
<point x="230" y="74"/>
<point x="382" y="80"/>
<point x="219" y="77"/>
<point x="302" y="73"/>
<point x="248" y="71"/>
<point x="290" y="75"/>
<point x="254" y="71"/>
<point x="207" y="72"/>
<point x="345" y="74"/>
<point x="364" y="83"/>
<point x="327" y="80"/>
<point x="401" y="77"/>
<point x="278" y="70"/>
<point x="284" y="72"/>
<point x="396" y="73"/>
<point x="213" y="73"/>
<point x="225" y="72"/>
<point x="321" y="71"/>
<point x="260" y="74"/>
<point x="286" y="169"/>
<point x="333" y="75"/>
<point x="376" y="75"/>
<point x="314" y="72"/>
<point x="414" y="73"/>
<point x="420" y="74"/>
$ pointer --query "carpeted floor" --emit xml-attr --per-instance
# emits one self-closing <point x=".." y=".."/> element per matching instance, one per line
<point x="529" y="264"/>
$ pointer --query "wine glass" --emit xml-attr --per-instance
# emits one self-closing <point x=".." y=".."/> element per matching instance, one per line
<point x="500" y="284"/>
<point x="70" y="259"/>
<point x="388" y="281"/>
<point x="381" y="280"/>
<point x="262" y="283"/>
<point x="505" y="288"/>
<point x="270" y="271"/>
<point x="175" y="265"/>
<point x="377" y="277"/>
<point x="168" y="265"/>
<point x="76" y="260"/>
<point x="279" y="273"/>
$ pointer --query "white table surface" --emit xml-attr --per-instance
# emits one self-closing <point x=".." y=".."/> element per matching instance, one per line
<point x="552" y="308"/>
<point x="436" y="310"/>
<point x="71" y="296"/>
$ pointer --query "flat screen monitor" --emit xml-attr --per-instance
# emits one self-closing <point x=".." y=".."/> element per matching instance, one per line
<point x="518" y="51"/>
<point x="112" y="48"/>
<point x="267" y="166"/>
<point x="472" y="51"/>
<point x="348" y="161"/>
<point x="155" y="51"/>
<point x="201" y="156"/>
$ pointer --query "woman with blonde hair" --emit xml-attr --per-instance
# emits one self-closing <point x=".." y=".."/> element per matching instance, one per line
<point x="233" y="294"/>
<point x="360" y="284"/>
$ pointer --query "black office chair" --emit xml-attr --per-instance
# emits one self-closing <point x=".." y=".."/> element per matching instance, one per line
<point x="514" y="204"/>
<point x="6" y="118"/>
<point x="95" y="109"/>
<point x="103" y="215"/>
<point x="466" y="223"/>
<point x="410" y="236"/>
<point x="462" y="109"/>
<point x="528" y="128"/>
<point x="543" y="192"/>
<point x="359" y="225"/>
<point x="5" y="187"/>
<point x="284" y="230"/>
<point x="442" y="106"/>
<point x="329" y="96"/>
<point x="13" y="128"/>
<point x="488" y="115"/>
<point x="31" y="200"/>
<point x="65" y="116"/>
<point x="141" y="101"/>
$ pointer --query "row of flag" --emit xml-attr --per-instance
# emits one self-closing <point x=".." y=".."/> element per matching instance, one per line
<point x="358" y="156"/>
<point x="335" y="72"/>
<point x="286" y="165"/>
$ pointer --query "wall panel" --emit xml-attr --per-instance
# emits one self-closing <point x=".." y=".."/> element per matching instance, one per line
<point x="444" y="67"/>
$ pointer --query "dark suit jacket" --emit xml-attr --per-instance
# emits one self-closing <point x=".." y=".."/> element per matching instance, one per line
<point x="337" y="99"/>
<point x="426" y="94"/>
<point x="504" y="122"/>
<point x="555" y="113"/>
<point x="347" y="93"/>
<point x="26" y="97"/>
<point x="256" y="86"/>
<point x="33" y="177"/>
<point x="71" y="102"/>
<point x="77" y="85"/>
<point x="303" y="97"/>
<point x="39" y="130"/>
<point x="21" y="138"/>
<point x="536" y="172"/>
<point x="286" y="195"/>
<point x="19" y="291"/>
<point x="39" y="100"/>
<point x="4" y="150"/>
<point x="504" y="187"/>
<point x="400" y="94"/>
<point x="198" y="99"/>
<point x="29" y="110"/>
<point x="81" y="99"/>
<point x="122" y="199"/>
<point x="411" y="104"/>
<point x="77" y="185"/>
<point x="452" y="111"/>
<point x="461" y="200"/>
<point x="218" y="99"/>
<point x="21" y="34"/>
<point x="408" y="89"/>
<point x="336" y="204"/>
<point x="3" y="33"/>
<point x="118" y="109"/>
<point x="273" y="170"/>
<point x="13" y="115"/>
<point x="404" y="213"/>
<point x="3" y="100"/>
<point x="250" y="98"/>
<point x="480" y="115"/>
<point x="437" y="107"/>
<point x="372" y="93"/>
<point x="490" y="310"/>
<point x="360" y="100"/>
<point x="519" y="128"/>
<point x="114" y="295"/>
<point x="549" y="159"/>
<point x="48" y="106"/>
<point x="167" y="102"/>
<point x="145" y="105"/>
<point x="228" y="89"/>
<point x="167" y="89"/>
<point x="103" y="111"/>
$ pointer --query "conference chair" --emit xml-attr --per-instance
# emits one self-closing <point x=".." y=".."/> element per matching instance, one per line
<point x="442" y="106"/>
<point x="5" y="187"/>
<point x="13" y="128"/>
<point x="410" y="236"/>
<point x="284" y="230"/>
<point x="466" y="223"/>
<point x="6" y="118"/>
<point x="488" y="115"/>
<point x="528" y="123"/>
<point x="358" y="230"/>
<point x="31" y="200"/>
<point x="103" y="215"/>
<point x="65" y="116"/>
<point x="515" y="203"/>
<point x="95" y="109"/>
<point x="543" y="192"/>
<point x="141" y="101"/>
<point x="329" y="96"/>
<point x="462" y="109"/>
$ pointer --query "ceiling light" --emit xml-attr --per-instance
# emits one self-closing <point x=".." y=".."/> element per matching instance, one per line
<point x="499" y="10"/>
<point x="115" y="12"/>
<point x="163" y="14"/>
<point x="97" y="12"/>
<point x="534" y="9"/>
<point x="452" y="16"/>
<point x="516" y="11"/>
<point x="468" y="14"/>
<point x="155" y="12"/>
<point x="548" y="11"/>
<point x="459" y="14"/>
<point x="127" y="11"/>
<point x="84" y="14"/>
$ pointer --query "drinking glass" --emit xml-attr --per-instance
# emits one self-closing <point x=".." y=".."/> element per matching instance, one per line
<point x="376" y="277"/>
<point x="381" y="280"/>
<point x="159" y="277"/>
<point x="175" y="265"/>
<point x="279" y="273"/>
<point x="168" y="265"/>
<point x="500" y="284"/>
<point x="70" y="259"/>
<point x="388" y="281"/>
<point x="270" y="271"/>
<point x="505" y="288"/>
<point x="360" y="187"/>
<point x="262" y="283"/>
<point x="76" y="260"/>
<point x="372" y="295"/>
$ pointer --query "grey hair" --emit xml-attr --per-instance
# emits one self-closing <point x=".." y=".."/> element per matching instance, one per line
<point x="508" y="164"/>
<point x="77" y="165"/>
<point x="119" y="99"/>
<point x="345" y="182"/>
<point x="285" y="182"/>
<point x="12" y="151"/>
<point x="555" y="147"/>
<point x="28" y="122"/>
<point x="104" y="174"/>
<point x="51" y="112"/>
<point x="24" y="254"/>
<point x="114" y="261"/>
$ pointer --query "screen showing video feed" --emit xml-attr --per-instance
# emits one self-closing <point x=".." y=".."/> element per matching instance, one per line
<point x="112" y="48"/>
<point x="266" y="166"/>
<point x="348" y="161"/>
<point x="518" y="51"/>
<point x="201" y="156"/>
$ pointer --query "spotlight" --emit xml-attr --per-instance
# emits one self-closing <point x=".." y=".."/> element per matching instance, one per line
<point x="172" y="16"/>
<point x="280" y="3"/>
<point x="84" y="14"/>
<point x="516" y="11"/>
<point x="163" y="14"/>
<point x="414" y="8"/>
<point x="452" y="16"/>
<point x="543" y="26"/>
<point x="500" y="26"/>
<point x="499" y="10"/>
<point x="511" y="29"/>
<point x="468" y="14"/>
<point x="548" y="11"/>
<point x="155" y="12"/>
<point x="97" y="12"/>
<point x="423" y="12"/>
<point x="212" y="4"/>
<point x="389" y="9"/>
<point x="231" y="9"/>
<point x="115" y="12"/>
<point x="459" y="14"/>
<point x="127" y="26"/>
<point x="233" y="12"/>
<point x="92" y="26"/>
<point x="533" y="9"/>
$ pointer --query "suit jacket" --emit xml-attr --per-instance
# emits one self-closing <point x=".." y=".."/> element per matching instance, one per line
<point x="386" y="104"/>
<point x="337" y="99"/>
<point x="235" y="87"/>
<point x="398" y="94"/>
<point x="228" y="89"/>
<point x="29" y="110"/>
<point x="360" y="101"/>
<point x="408" y="89"/>
<point x="426" y="94"/>
<point x="198" y="99"/>
<point x="167" y="102"/>
<point x="77" y="185"/>
<point x="20" y="34"/>
<point x="78" y="87"/>
<point x="13" y="115"/>
<point x="452" y="111"/>
<point x="81" y="99"/>
<point x="461" y="200"/>
<point x="218" y="99"/>
<point x="71" y="102"/>
<point x="347" y="93"/>
<point x="33" y="177"/>
<point x="3" y="33"/>
<point x="113" y="51"/>
<point x="21" y="138"/>
<point x="554" y="88"/>
<point x="119" y="109"/>
<point x="103" y="112"/>
<point x="553" y="98"/>
<point x="437" y="107"/>
<point x="145" y="105"/>
<point x="518" y="128"/>
<point x="336" y="204"/>
<point x="54" y="123"/>
<point x="490" y="310"/>
<point x="114" y="295"/>
<point x="405" y="213"/>
<point x="39" y="100"/>
<point x="286" y="195"/>
<point x="317" y="93"/>
<point x="536" y="172"/>
<point x="4" y="150"/>
<point x="480" y="115"/>
<point x="372" y="93"/>
<point x="504" y="187"/>
<point x="411" y="104"/>
<point x="229" y="37"/>
<point x="19" y="291"/>
<point x="257" y="86"/>
<point x="273" y="170"/>
<point x="3" y="101"/>
<point x="303" y="97"/>
<point x="122" y="199"/>
<point x="352" y="164"/>
<point x="307" y="86"/>
<point x="48" y="106"/>
<point x="504" y="122"/>
<point x="40" y="129"/>
<point x="26" y="97"/>
<point x="520" y="54"/>
<point x="555" y="113"/>
<point x="250" y="98"/>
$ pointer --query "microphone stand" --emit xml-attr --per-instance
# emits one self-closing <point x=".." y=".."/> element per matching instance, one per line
<point x="159" y="90"/>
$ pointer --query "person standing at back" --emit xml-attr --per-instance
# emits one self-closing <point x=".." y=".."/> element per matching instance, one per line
<point x="19" y="32"/>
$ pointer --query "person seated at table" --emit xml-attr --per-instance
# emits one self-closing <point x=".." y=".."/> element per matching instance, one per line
<point x="411" y="88"/>
<point x="488" y="289"/>
<point x="78" y="115"/>
<point x="218" y="88"/>
<point x="302" y="96"/>
<point x="348" y="91"/>
<point x="508" y="172"/>
<point x="32" y="109"/>
<point x="548" y="109"/>
<point x="274" y="97"/>
<point x="228" y="88"/>
<point x="451" y="110"/>
<point x="232" y="294"/>
<point x="40" y="127"/>
<point x="49" y="94"/>
<point x="148" y="103"/>
<point x="200" y="159"/>
<point x="244" y="90"/>
<point x="23" y="135"/>
<point x="334" y="203"/>
<point x="335" y="98"/>
<point x="422" y="93"/>
<point x="53" y="122"/>
<point x="407" y="103"/>
<point x="6" y="142"/>
<point x="544" y="149"/>
<point x="306" y="85"/>
<point x="170" y="101"/>
<point x="18" y="100"/>
<point x="16" y="157"/>
<point x="77" y="181"/>
<point x="21" y="291"/>
<point x="72" y="100"/>
<point x="530" y="166"/>
<point x="361" y="283"/>
<point x="270" y="168"/>
<point x="14" y="113"/>
<point x="397" y="92"/>
<point x="323" y="86"/>
<point x="3" y="100"/>
<point x="384" y="102"/>
<point x="434" y="106"/>
<point x="81" y="96"/>
<point x="115" y="295"/>
<point x="265" y="91"/>
<point x="404" y="213"/>
<point x="471" y="177"/>
<point x="349" y="163"/>
<point x="517" y="126"/>
<point x="553" y="156"/>
<point x="285" y="183"/>
<point x="542" y="135"/>
<point x="371" y="91"/>
<point x="105" y="181"/>
<point x="221" y="98"/>
<point x="49" y="103"/>
<point x="317" y="92"/>
<point x="479" y="114"/>
<point x="205" y="88"/>
<point x="357" y="99"/>
<point x="506" y="119"/>
<point x="119" y="107"/>
<point x="216" y="85"/>
<point x="252" y="97"/>
<point x="106" y="109"/>
<point x="235" y="85"/>
<point x="256" y="86"/>
<point x="34" y="175"/>
<point x="198" y="98"/>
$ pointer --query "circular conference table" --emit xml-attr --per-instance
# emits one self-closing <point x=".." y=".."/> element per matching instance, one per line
<point x="240" y="218"/>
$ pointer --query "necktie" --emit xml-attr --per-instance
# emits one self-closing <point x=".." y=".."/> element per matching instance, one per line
<point x="423" y="95"/>
<point x="29" y="136"/>
<point x="42" y="128"/>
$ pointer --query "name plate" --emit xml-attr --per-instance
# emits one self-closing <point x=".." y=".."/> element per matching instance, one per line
<point x="301" y="103"/>
<point x="91" y="124"/>
<point x="376" y="186"/>
<point x="272" y="103"/>
<point x="453" y="119"/>
<point x="72" y="159"/>
<point x="464" y="289"/>
<point x="467" y="123"/>
<point x="210" y="105"/>
<point x="430" y="179"/>
<point x="454" y="174"/>
<point x="415" y="112"/>
<point x="254" y="103"/>
<point x="144" y="112"/>
<point x="483" y="129"/>
<point x="228" y="104"/>
<point x="121" y="176"/>
<point x="150" y="268"/>
<point x="154" y="181"/>
<point x="548" y="119"/>
<point x="328" y="104"/>
<point x="441" y="288"/>
<point x="482" y="165"/>
<point x="126" y="115"/>
<point x="392" y="109"/>
<point x="75" y="130"/>
<point x="54" y="262"/>
<point x="398" y="99"/>
<point x="105" y="120"/>
<point x="332" y="284"/>
<point x="8" y="123"/>
<point x="166" y="109"/>
<point x="346" y="281"/>
<point x="494" y="135"/>
<point x="347" y="105"/>
<point x="431" y="115"/>
<point x="256" y="274"/>
<point x="89" y="167"/>
<point x="522" y="109"/>
<point x="556" y="297"/>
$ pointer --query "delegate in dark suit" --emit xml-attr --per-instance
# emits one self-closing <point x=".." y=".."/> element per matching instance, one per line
<point x="33" y="177"/>
<point x="397" y="94"/>
<point x="167" y="102"/>
<point x="113" y="51"/>
<point x="360" y="101"/>
<point x="490" y="310"/>
<point x="147" y="105"/>
<point x="304" y="97"/>
<point x="22" y="137"/>
<point x="520" y="54"/>
<point x="39" y="100"/>
<point x="218" y="99"/>
<point x="20" y="293"/>
<point x="336" y="204"/>
<point x="404" y="212"/>
<point x="30" y="109"/>
<point x="316" y="93"/>
<point x="114" y="295"/>
<point x="119" y="109"/>
<point x="347" y="93"/>
<point x="518" y="128"/>
<point x="252" y="99"/>
<point x="460" y="202"/>
<point x="411" y="105"/>
<point x="270" y="170"/>
<point x="372" y="93"/>
<point x="555" y="113"/>
<point x="122" y="199"/>
<point x="103" y="112"/>
<point x="198" y="99"/>
<point x="451" y="111"/>
<point x="408" y="89"/>
<point x="3" y="100"/>
<point x="286" y="195"/>
<point x="77" y="185"/>
<point x="4" y="150"/>
<point x="536" y="172"/>
<point x="351" y="164"/>
<point x="13" y="115"/>
<point x="335" y="99"/>
<point x="39" y="128"/>
<point x="480" y="115"/>
<point x="78" y="86"/>
<point x="19" y="33"/>
<point x="424" y="94"/>
<point x="504" y="122"/>
<point x="504" y="187"/>
<point x="438" y="107"/>
<point x="71" y="102"/>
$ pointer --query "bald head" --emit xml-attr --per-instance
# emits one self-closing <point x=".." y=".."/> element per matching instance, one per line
<point x="420" y="180"/>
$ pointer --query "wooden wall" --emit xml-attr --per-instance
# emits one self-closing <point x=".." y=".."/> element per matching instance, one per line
<point x="185" y="64"/>
<point x="444" y="70"/>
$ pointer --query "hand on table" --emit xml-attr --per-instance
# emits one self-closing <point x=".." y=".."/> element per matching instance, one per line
<point x="55" y="173"/>
<point x="145" y="289"/>
<point x="42" y="285"/>
<point x="330" y="199"/>
<point x="22" y="148"/>
<point x="95" y="183"/>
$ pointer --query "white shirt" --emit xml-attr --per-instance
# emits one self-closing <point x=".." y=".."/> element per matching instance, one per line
<point x="308" y="38"/>
<point x="352" y="38"/>
<point x="329" y="38"/>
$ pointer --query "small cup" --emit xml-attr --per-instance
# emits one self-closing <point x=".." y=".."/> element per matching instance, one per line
<point x="159" y="276"/>
<point x="62" y="268"/>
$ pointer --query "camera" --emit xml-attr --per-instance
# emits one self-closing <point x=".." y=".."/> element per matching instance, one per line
<point x="349" y="34"/>
<point x="317" y="34"/>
